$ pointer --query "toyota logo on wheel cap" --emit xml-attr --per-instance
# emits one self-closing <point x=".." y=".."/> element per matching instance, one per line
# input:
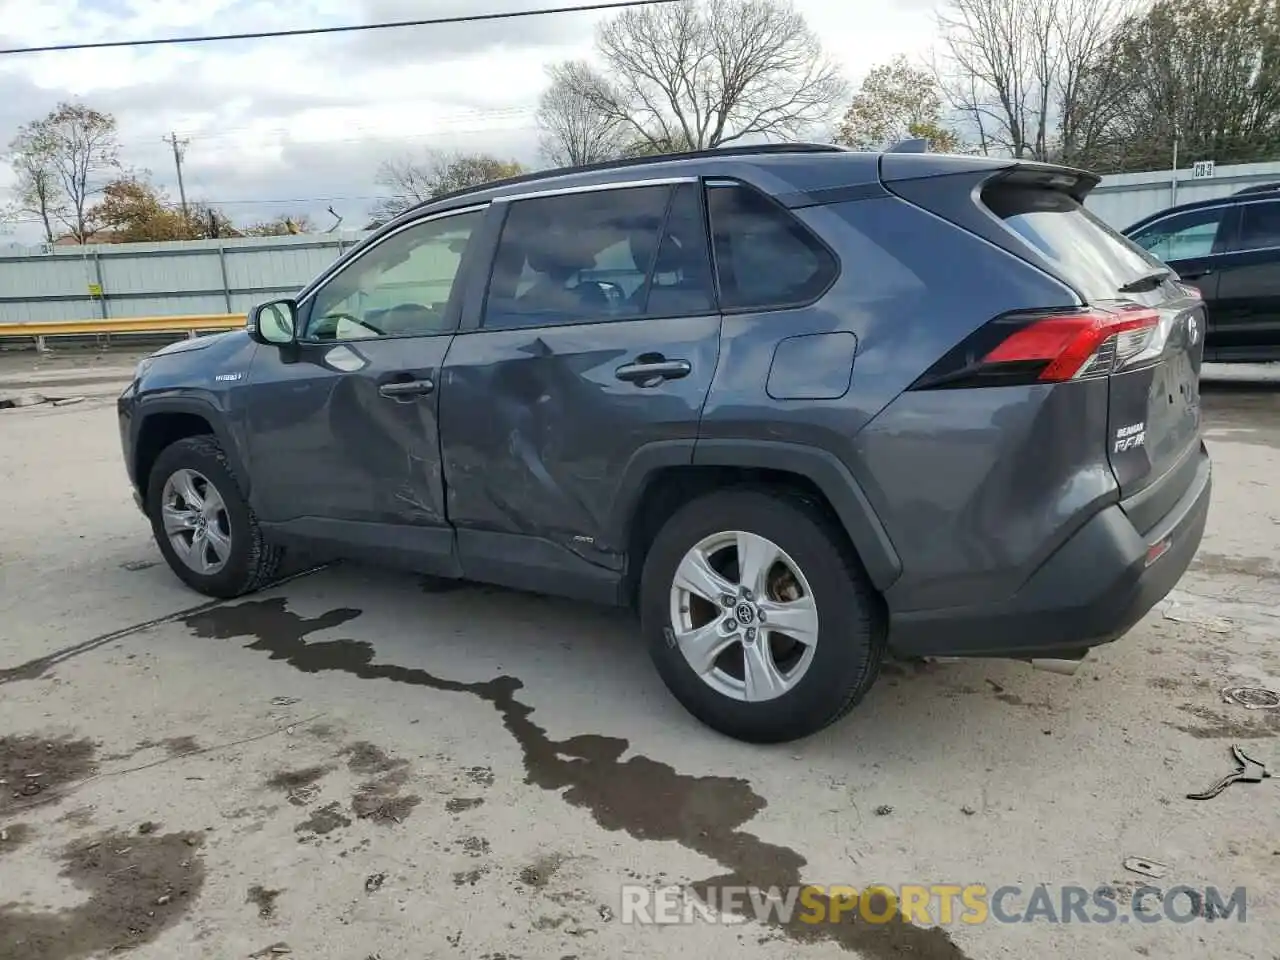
<point x="1193" y="330"/>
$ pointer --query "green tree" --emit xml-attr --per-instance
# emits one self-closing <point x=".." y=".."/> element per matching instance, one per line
<point x="896" y="101"/>
<point x="1202" y="73"/>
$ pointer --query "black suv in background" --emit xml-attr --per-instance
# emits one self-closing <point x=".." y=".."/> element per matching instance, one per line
<point x="796" y="405"/>
<point x="1230" y="249"/>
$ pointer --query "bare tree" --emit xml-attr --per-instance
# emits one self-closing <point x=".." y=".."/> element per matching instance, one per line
<point x="702" y="75"/>
<point x="1015" y="70"/>
<point x="573" y="132"/>
<point x="413" y="180"/>
<point x="36" y="192"/>
<point x="70" y="158"/>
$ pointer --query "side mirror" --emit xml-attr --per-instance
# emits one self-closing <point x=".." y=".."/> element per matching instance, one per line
<point x="274" y="323"/>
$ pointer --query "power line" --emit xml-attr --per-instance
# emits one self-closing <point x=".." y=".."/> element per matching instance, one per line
<point x="349" y="28"/>
<point x="267" y="201"/>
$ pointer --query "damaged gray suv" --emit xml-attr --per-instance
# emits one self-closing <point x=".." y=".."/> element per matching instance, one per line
<point x="798" y="406"/>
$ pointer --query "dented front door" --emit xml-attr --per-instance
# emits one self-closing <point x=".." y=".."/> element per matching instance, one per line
<point x="347" y="432"/>
<point x="343" y="423"/>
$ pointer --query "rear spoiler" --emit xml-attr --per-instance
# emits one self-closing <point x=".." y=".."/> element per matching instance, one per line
<point x="912" y="145"/>
<point x="898" y="166"/>
<point x="1070" y="180"/>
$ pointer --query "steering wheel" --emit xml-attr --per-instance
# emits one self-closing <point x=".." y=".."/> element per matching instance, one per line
<point x="338" y="317"/>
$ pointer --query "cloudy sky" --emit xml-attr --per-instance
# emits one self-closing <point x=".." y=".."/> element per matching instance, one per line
<point x="296" y="124"/>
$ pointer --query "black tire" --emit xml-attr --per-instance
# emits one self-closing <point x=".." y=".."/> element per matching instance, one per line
<point x="851" y="629"/>
<point x="253" y="562"/>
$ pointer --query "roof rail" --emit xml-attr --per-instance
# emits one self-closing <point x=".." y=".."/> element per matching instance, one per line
<point x="1259" y="188"/>
<point x="743" y="150"/>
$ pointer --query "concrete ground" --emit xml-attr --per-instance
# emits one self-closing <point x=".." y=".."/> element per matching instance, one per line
<point x="358" y="764"/>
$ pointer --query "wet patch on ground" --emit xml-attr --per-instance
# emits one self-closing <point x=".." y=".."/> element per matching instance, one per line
<point x="540" y="872"/>
<point x="324" y="820"/>
<point x="644" y="798"/>
<point x="32" y="769"/>
<point x="15" y="835"/>
<point x="381" y="798"/>
<point x="264" y="900"/>
<point x="137" y="886"/>
<point x="323" y="731"/>
<point x="469" y="878"/>
<point x="289" y="781"/>
<point x="1216" y="725"/>
<point x="462" y="804"/>
<point x="174" y="746"/>
<point x="180" y="746"/>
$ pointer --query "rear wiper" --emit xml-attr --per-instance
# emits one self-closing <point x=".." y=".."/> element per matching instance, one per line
<point x="1148" y="281"/>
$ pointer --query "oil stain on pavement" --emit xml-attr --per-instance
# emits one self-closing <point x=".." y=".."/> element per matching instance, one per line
<point x="644" y="798"/>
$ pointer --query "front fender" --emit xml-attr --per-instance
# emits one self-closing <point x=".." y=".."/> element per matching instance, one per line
<point x="150" y="406"/>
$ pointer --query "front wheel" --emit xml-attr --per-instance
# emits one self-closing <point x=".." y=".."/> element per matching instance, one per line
<point x="203" y="524"/>
<point x="759" y="616"/>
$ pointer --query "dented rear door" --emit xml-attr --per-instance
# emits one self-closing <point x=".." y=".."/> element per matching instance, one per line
<point x="582" y="362"/>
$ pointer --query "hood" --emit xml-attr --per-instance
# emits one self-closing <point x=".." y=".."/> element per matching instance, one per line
<point x="198" y="343"/>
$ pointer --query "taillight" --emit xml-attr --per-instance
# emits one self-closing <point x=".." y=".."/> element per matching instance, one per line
<point x="1046" y="348"/>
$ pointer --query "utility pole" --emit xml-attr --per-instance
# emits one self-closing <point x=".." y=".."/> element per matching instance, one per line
<point x="179" y="148"/>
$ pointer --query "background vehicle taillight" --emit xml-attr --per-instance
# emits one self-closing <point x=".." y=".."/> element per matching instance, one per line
<point x="1046" y="349"/>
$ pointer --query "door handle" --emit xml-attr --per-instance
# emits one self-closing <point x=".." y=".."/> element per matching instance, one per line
<point x="652" y="372"/>
<point x="403" y="389"/>
<point x="1196" y="274"/>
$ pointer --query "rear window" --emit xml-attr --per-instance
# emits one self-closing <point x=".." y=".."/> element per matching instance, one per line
<point x="1088" y="254"/>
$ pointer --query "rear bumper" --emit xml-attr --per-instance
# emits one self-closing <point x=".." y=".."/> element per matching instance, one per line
<point x="1091" y="591"/>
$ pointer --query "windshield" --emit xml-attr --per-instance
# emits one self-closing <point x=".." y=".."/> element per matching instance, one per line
<point x="1091" y="256"/>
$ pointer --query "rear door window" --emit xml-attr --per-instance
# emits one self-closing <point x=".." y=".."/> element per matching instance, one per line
<point x="612" y="254"/>
<point x="1259" y="226"/>
<point x="1087" y="253"/>
<point x="1184" y="236"/>
<point x="765" y="257"/>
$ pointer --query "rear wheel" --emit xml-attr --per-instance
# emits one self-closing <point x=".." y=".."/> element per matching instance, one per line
<point x="203" y="524"/>
<point x="759" y="617"/>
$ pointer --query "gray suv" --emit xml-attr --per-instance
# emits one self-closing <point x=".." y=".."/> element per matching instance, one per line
<point x="797" y="406"/>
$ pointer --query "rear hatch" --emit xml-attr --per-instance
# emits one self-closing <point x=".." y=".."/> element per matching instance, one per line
<point x="1141" y="328"/>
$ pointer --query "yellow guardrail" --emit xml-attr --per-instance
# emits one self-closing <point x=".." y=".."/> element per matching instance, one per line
<point x="88" y="328"/>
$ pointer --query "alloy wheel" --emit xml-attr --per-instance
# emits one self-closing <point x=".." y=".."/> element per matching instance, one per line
<point x="196" y="521"/>
<point x="744" y="616"/>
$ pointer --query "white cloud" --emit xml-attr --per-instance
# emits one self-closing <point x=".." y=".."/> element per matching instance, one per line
<point x="289" y="118"/>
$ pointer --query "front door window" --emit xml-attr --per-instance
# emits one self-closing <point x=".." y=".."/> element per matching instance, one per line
<point x="399" y="288"/>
